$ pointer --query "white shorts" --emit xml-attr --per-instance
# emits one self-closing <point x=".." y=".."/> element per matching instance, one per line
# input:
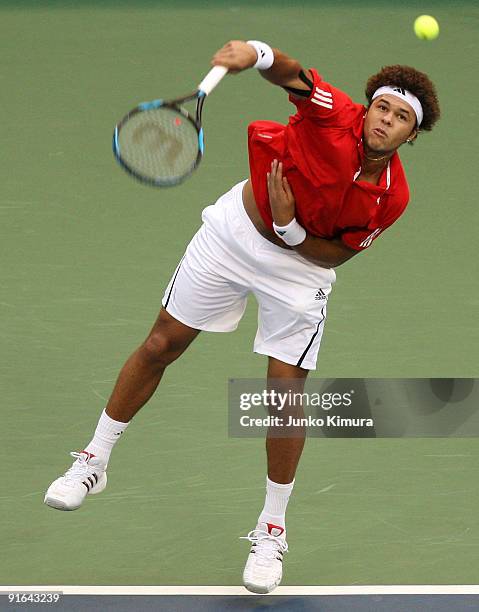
<point x="225" y="261"/>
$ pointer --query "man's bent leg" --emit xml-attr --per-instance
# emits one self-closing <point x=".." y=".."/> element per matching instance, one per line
<point x="142" y="372"/>
<point x="138" y="380"/>
<point x="136" y="383"/>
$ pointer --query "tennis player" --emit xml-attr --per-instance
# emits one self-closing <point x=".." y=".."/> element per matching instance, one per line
<point x="321" y="189"/>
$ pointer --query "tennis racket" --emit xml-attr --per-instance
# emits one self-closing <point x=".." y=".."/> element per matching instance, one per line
<point x="159" y="142"/>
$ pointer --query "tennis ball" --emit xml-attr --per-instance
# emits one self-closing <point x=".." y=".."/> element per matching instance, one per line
<point x="426" y="27"/>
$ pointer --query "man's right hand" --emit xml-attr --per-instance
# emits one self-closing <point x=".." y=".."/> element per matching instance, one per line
<point x="236" y="55"/>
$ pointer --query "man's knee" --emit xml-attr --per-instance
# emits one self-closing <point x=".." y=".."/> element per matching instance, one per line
<point x="161" y="349"/>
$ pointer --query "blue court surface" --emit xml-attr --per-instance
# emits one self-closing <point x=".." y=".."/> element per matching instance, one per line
<point x="412" y="598"/>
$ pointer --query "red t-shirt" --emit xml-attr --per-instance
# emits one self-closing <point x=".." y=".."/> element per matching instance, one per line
<point x="321" y="151"/>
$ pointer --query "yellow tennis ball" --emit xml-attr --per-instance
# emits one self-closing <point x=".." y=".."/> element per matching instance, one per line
<point x="426" y="27"/>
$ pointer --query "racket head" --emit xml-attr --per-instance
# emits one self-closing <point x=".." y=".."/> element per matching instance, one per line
<point x="159" y="143"/>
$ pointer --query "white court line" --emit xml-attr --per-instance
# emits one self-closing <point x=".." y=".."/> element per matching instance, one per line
<point x="411" y="589"/>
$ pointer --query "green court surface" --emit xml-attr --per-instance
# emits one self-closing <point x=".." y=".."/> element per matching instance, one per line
<point x="87" y="252"/>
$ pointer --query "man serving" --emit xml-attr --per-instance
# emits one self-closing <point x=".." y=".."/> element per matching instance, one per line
<point x="322" y="188"/>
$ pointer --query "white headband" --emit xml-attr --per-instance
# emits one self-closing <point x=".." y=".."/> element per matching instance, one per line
<point x="405" y="95"/>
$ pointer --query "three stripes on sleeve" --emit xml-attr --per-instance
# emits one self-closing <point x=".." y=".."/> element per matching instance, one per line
<point x="322" y="98"/>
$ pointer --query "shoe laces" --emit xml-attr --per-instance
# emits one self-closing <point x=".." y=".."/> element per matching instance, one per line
<point x="266" y="545"/>
<point x="79" y="469"/>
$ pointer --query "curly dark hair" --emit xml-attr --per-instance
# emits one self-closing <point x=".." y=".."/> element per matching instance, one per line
<point x="414" y="81"/>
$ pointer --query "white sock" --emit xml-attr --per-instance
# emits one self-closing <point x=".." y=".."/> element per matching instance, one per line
<point x="107" y="432"/>
<point x="274" y="511"/>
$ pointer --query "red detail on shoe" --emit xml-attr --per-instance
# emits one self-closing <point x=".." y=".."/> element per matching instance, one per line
<point x="278" y="528"/>
<point x="88" y="455"/>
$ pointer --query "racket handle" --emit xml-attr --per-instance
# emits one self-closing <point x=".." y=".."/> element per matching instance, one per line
<point x="212" y="79"/>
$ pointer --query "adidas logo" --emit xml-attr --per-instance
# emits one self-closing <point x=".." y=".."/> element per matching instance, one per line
<point x="88" y="483"/>
<point x="320" y="295"/>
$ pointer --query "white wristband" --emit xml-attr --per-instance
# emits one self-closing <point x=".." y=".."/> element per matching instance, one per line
<point x="293" y="233"/>
<point x="264" y="54"/>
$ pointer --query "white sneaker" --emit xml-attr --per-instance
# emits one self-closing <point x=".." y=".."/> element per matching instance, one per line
<point x="86" y="476"/>
<point x="264" y="567"/>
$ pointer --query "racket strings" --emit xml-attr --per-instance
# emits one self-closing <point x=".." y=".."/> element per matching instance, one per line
<point x="160" y="144"/>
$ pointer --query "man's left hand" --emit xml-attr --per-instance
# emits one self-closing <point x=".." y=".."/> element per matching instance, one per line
<point x="281" y="198"/>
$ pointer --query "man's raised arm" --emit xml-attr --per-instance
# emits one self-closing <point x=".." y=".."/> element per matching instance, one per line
<point x="238" y="55"/>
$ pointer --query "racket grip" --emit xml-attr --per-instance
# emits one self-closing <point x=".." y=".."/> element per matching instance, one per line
<point x="212" y="79"/>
